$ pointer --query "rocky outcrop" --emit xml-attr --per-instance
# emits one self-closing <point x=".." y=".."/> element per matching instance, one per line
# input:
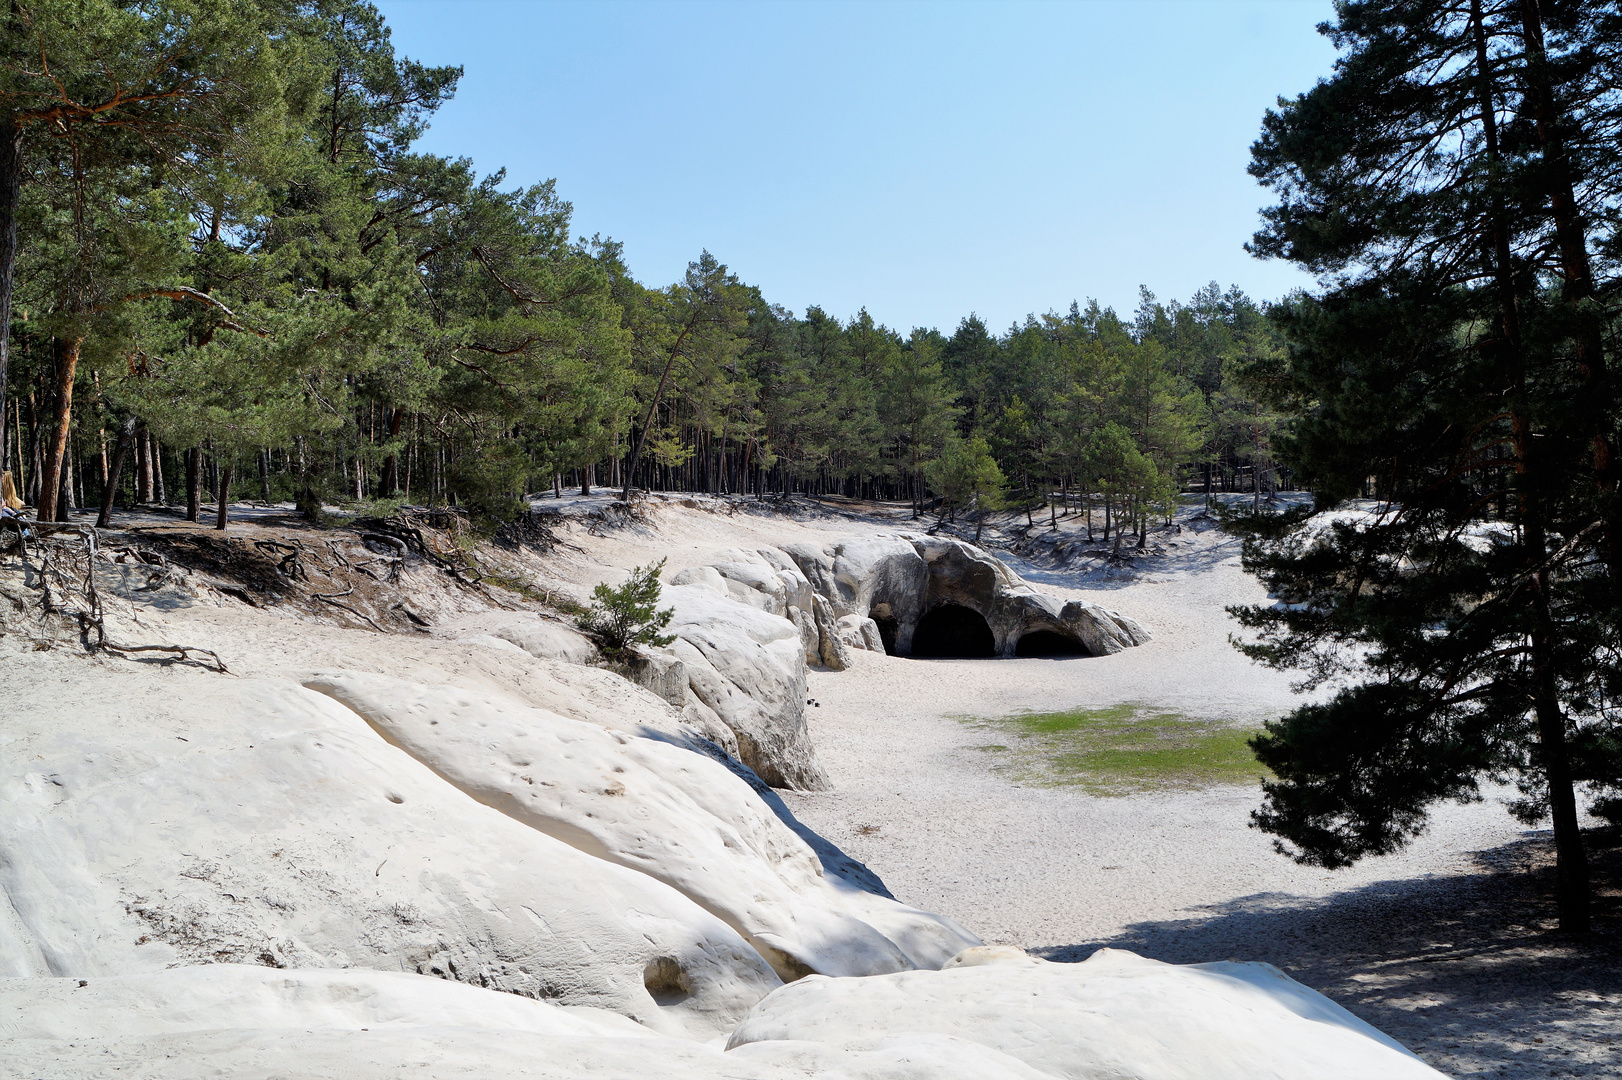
<point x="745" y="665"/>
<point x="657" y="808"/>
<point x="991" y="1014"/>
<point x="897" y="581"/>
<point x="748" y="623"/>
<point x="255" y="821"/>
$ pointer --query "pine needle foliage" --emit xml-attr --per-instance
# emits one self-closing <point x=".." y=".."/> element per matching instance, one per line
<point x="625" y="617"/>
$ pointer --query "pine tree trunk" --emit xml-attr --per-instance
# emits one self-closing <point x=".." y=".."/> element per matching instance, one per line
<point x="1571" y="861"/>
<point x="390" y="482"/>
<point x="1593" y="404"/>
<point x="160" y="493"/>
<point x="64" y="498"/>
<point x="224" y="498"/>
<point x="109" y="489"/>
<point x="67" y="366"/>
<point x="194" y="483"/>
<point x="143" y="465"/>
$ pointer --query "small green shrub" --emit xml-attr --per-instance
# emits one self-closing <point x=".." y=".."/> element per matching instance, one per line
<point x="628" y="616"/>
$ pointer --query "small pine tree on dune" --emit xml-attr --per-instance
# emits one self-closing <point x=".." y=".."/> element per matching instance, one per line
<point x="628" y="616"/>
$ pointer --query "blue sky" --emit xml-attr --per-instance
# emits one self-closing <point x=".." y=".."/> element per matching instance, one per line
<point x="921" y="160"/>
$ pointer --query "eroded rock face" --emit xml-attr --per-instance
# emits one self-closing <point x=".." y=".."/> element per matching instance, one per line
<point x="657" y="808"/>
<point x="897" y="582"/>
<point x="259" y="822"/>
<point x="746" y="665"/>
<point x="738" y="619"/>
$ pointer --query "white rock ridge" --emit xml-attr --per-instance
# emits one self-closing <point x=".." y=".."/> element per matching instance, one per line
<point x="260" y="822"/>
<point x="746" y="665"/>
<point x="1113" y="1017"/>
<point x="991" y="1014"/>
<point x="657" y="808"/>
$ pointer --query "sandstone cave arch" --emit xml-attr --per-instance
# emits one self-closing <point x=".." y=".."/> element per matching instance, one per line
<point x="952" y="631"/>
<point x="1050" y="644"/>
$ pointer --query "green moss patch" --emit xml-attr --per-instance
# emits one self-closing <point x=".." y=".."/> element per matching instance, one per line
<point x="1120" y="750"/>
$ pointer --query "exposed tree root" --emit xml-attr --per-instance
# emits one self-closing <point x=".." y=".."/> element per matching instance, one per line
<point x="64" y="576"/>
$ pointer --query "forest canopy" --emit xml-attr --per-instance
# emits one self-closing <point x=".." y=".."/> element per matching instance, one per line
<point x="226" y="263"/>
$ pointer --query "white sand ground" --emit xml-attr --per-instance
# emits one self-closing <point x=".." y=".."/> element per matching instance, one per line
<point x="1444" y="945"/>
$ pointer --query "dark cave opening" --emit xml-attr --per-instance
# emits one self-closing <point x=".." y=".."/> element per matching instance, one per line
<point x="887" y="632"/>
<point x="1050" y="644"/>
<point x="952" y="631"/>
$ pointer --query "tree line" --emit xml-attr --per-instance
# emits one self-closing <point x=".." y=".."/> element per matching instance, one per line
<point x="226" y="270"/>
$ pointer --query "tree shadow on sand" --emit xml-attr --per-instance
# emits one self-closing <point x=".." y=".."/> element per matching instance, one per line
<point x="1465" y="969"/>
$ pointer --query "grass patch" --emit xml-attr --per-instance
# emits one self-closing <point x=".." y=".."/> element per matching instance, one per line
<point x="1120" y="750"/>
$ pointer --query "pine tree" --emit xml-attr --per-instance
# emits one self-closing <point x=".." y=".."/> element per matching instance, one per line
<point x="1471" y="611"/>
<point x="102" y="97"/>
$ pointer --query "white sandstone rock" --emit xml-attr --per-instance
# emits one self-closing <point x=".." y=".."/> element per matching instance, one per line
<point x="657" y="808"/>
<point x="860" y="632"/>
<point x="1117" y="1016"/>
<point x="705" y="577"/>
<point x="748" y="667"/>
<point x="200" y="997"/>
<point x="546" y="639"/>
<point x="257" y="821"/>
<point x="257" y="1023"/>
<point x="901" y="578"/>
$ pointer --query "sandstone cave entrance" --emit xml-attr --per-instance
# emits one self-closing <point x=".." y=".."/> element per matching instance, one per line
<point x="952" y="631"/>
<point x="888" y="627"/>
<point x="1050" y="644"/>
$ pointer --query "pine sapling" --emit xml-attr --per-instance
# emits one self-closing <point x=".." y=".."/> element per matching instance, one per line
<point x="628" y="616"/>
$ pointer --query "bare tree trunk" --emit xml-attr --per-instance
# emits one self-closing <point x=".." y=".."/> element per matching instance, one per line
<point x="194" y="483"/>
<point x="143" y="465"/>
<point x="37" y="408"/>
<point x="390" y="482"/>
<point x="109" y="489"/>
<point x="67" y="366"/>
<point x="160" y="493"/>
<point x="224" y="497"/>
<point x="64" y="498"/>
